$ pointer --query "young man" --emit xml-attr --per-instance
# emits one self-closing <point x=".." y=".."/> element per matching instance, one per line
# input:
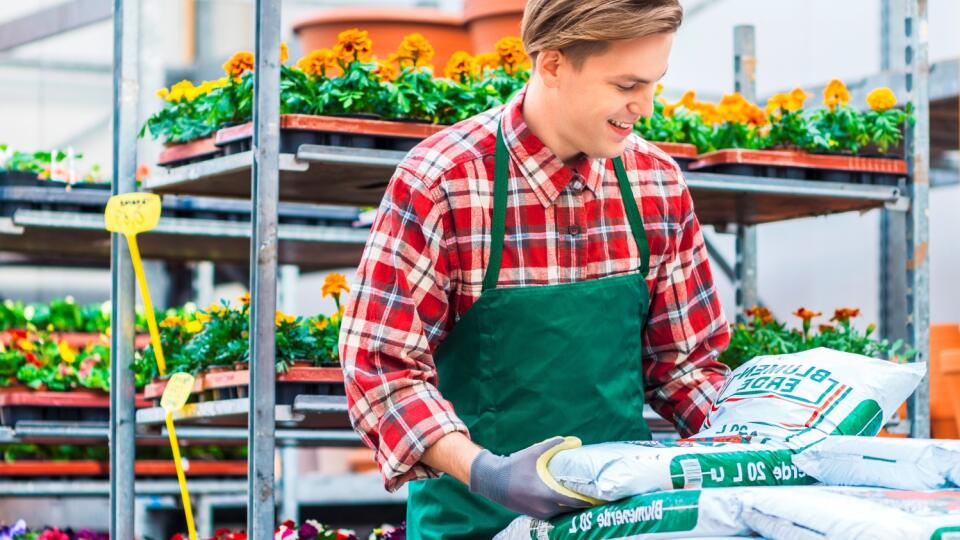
<point x="534" y="271"/>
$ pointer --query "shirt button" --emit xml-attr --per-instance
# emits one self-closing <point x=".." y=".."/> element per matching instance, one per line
<point x="573" y="230"/>
<point x="577" y="186"/>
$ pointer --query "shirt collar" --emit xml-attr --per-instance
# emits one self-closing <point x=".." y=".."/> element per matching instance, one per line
<point x="547" y="174"/>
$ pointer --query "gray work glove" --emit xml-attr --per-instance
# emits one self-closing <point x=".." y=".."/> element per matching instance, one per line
<point x="514" y="482"/>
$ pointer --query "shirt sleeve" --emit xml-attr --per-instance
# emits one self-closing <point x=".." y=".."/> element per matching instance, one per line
<point x="396" y="315"/>
<point x="686" y="331"/>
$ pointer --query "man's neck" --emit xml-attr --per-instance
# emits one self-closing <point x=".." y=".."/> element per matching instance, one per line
<point x="537" y="113"/>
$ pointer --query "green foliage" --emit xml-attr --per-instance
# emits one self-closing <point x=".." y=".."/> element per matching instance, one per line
<point x="764" y="335"/>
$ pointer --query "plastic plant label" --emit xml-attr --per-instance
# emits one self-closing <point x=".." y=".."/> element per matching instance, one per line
<point x="177" y="392"/>
<point x="132" y="213"/>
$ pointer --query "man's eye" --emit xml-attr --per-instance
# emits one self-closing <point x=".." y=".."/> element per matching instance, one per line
<point x="627" y="87"/>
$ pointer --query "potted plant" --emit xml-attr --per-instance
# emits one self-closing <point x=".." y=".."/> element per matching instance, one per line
<point x="681" y="134"/>
<point x="444" y="30"/>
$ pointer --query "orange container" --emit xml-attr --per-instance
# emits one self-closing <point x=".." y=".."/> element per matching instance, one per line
<point x="386" y="27"/>
<point x="945" y="380"/>
<point x="489" y="20"/>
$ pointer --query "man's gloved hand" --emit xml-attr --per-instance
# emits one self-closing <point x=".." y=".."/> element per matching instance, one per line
<point x="514" y="482"/>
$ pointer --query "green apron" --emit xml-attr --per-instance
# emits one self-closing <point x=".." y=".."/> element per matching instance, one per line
<point x="524" y="364"/>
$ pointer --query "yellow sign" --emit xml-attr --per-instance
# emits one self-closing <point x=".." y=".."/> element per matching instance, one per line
<point x="177" y="392"/>
<point x="132" y="213"/>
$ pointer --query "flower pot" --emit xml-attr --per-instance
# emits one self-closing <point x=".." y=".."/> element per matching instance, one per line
<point x="386" y="27"/>
<point x="81" y="405"/>
<point x="20" y="178"/>
<point x="802" y="166"/>
<point x="223" y="392"/>
<point x="684" y="154"/>
<point x="349" y="131"/>
<point x="489" y="20"/>
<point x="177" y="154"/>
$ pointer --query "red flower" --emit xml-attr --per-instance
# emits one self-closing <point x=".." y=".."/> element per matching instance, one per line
<point x="53" y="534"/>
<point x="31" y="358"/>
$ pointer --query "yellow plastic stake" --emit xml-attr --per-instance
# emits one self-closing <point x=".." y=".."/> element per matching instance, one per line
<point x="174" y="397"/>
<point x="130" y="214"/>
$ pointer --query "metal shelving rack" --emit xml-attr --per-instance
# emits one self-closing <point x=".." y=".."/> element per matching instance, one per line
<point x="355" y="176"/>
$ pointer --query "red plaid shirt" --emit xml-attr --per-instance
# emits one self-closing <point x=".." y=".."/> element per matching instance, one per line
<point x="425" y="259"/>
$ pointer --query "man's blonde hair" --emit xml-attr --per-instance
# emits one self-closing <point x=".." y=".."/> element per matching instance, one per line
<point x="581" y="28"/>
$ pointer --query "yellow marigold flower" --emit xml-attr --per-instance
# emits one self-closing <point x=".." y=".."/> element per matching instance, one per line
<point x="487" y="60"/>
<point x="245" y="299"/>
<point x="460" y="67"/>
<point x="193" y="326"/>
<point x="67" y="354"/>
<point x="163" y="93"/>
<point x="353" y="44"/>
<point x="881" y="99"/>
<point x="282" y="318"/>
<point x="511" y="53"/>
<point x="26" y="345"/>
<point x="795" y="100"/>
<point x="238" y="64"/>
<point x="776" y="104"/>
<point x="658" y="89"/>
<point x="387" y="71"/>
<point x="415" y="48"/>
<point x="171" y="322"/>
<point x="321" y="324"/>
<point x="215" y="308"/>
<point x="183" y="90"/>
<point x="836" y="94"/>
<point x="334" y="284"/>
<point x="320" y="62"/>
<point x="284" y="52"/>
<point x="203" y="317"/>
<point x="733" y="108"/>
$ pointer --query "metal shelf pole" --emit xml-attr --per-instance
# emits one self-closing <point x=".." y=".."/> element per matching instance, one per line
<point x="745" y="82"/>
<point x="126" y="21"/>
<point x="918" y="225"/>
<point x="265" y="190"/>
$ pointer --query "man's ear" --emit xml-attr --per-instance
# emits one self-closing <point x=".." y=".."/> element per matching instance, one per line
<point x="548" y="65"/>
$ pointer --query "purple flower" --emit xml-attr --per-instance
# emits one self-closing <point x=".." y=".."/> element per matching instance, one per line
<point x="9" y="532"/>
<point x="308" y="531"/>
<point x="400" y="533"/>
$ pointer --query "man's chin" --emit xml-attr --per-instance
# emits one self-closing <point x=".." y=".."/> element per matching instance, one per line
<point x="607" y="151"/>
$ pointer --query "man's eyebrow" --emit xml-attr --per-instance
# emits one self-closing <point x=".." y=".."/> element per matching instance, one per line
<point x="640" y="80"/>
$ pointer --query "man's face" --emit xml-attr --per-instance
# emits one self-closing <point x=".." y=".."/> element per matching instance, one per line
<point x="601" y="101"/>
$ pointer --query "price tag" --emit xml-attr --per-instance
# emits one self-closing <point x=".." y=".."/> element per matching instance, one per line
<point x="132" y="213"/>
<point x="177" y="392"/>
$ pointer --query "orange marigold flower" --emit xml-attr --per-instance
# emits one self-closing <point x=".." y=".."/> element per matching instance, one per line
<point x="806" y="314"/>
<point x="238" y="64"/>
<point x="387" y="71"/>
<point x="836" y="94"/>
<point x="143" y="171"/>
<point x="416" y="49"/>
<point x="758" y="311"/>
<point x="461" y="67"/>
<point x="824" y="328"/>
<point x="487" y="60"/>
<point x="881" y="99"/>
<point x="776" y="104"/>
<point x="282" y="318"/>
<point x="353" y="45"/>
<point x="845" y="314"/>
<point x="320" y="62"/>
<point x="795" y="100"/>
<point x="245" y="299"/>
<point x="334" y="283"/>
<point x="688" y="99"/>
<point x="511" y="53"/>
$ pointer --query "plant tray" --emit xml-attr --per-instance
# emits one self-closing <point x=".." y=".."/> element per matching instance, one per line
<point x="19" y="403"/>
<point x="684" y="154"/>
<point x="79" y="340"/>
<point x="151" y="467"/>
<point x="803" y="166"/>
<point x="298" y="129"/>
<point x="176" y="154"/>
<point x="298" y="380"/>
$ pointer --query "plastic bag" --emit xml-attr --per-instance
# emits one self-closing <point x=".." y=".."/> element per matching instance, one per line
<point x="798" y="398"/>
<point x="612" y="471"/>
<point x="819" y="512"/>
<point x="916" y="464"/>
<point x="669" y="514"/>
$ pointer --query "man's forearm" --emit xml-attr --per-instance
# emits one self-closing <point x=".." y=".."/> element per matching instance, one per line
<point x="453" y="454"/>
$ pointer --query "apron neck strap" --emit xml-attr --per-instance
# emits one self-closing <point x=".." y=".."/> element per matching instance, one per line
<point x="500" y="179"/>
